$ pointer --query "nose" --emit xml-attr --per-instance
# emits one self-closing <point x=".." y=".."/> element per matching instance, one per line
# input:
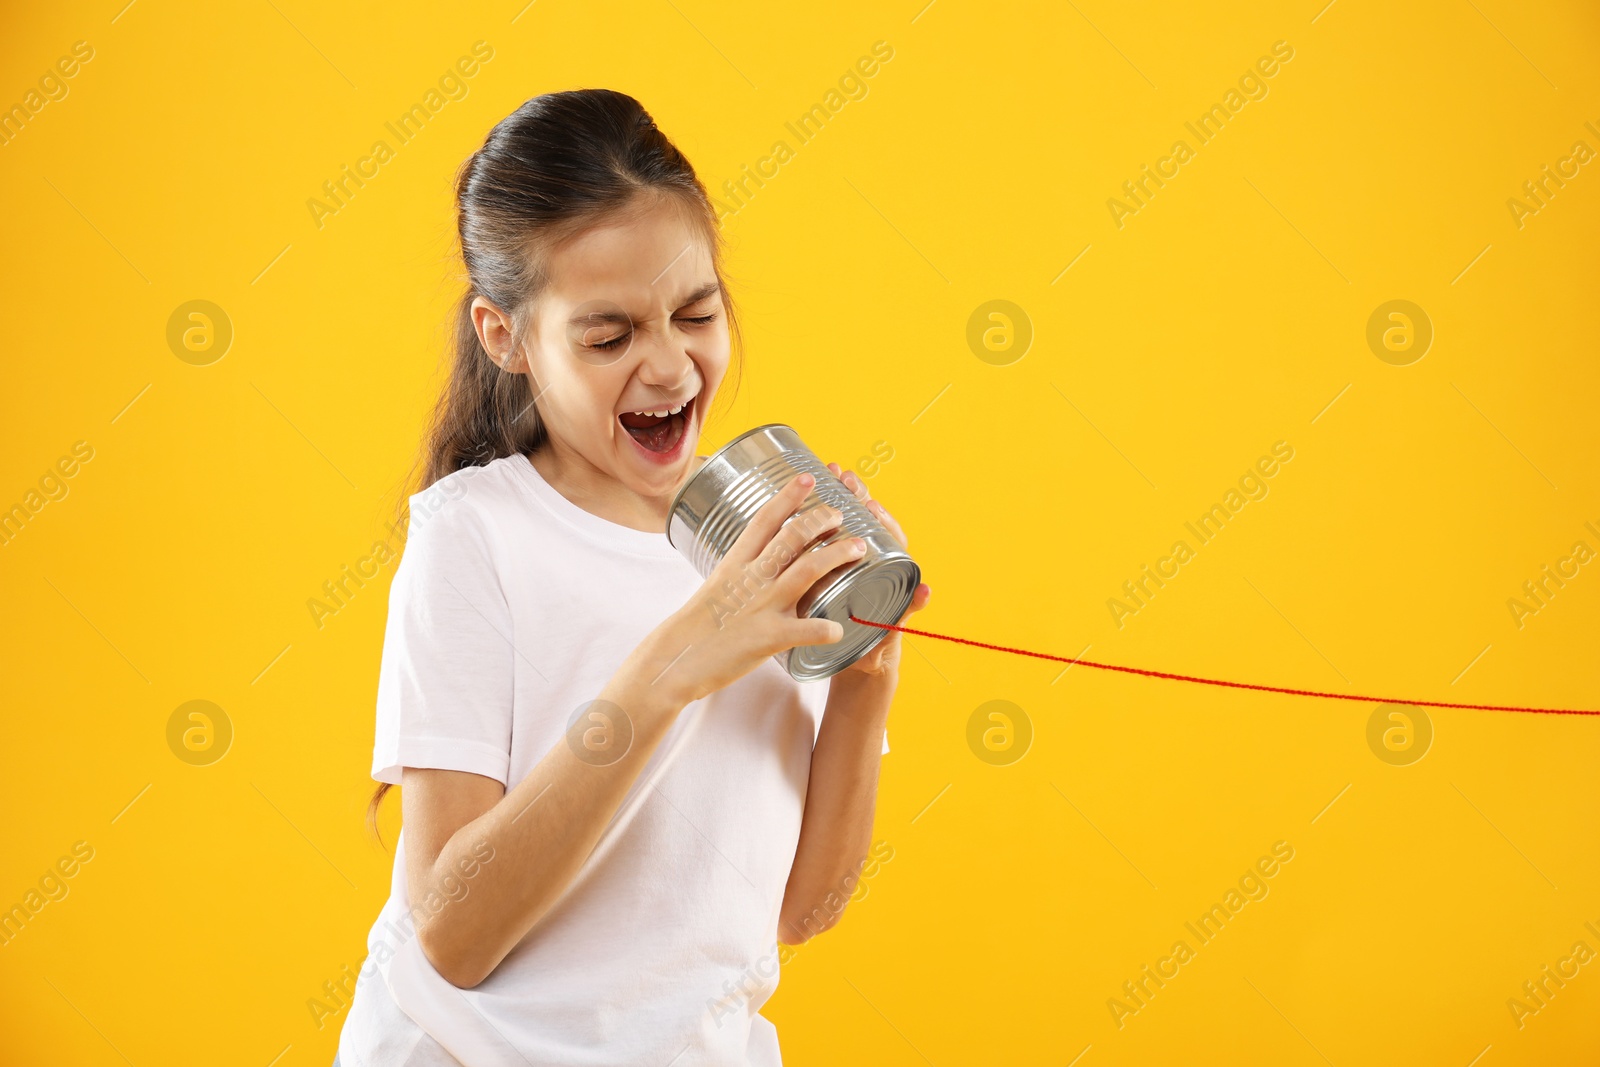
<point x="666" y="365"/>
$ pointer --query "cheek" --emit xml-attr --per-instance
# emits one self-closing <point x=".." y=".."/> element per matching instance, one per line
<point x="713" y="354"/>
<point x="577" y="402"/>
<point x="594" y="404"/>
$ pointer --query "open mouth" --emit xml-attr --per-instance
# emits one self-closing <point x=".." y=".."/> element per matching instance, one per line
<point x="659" y="431"/>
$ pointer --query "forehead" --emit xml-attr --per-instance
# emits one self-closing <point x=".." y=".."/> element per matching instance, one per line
<point x="652" y="256"/>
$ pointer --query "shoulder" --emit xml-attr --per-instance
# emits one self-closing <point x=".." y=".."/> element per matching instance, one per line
<point x="472" y="499"/>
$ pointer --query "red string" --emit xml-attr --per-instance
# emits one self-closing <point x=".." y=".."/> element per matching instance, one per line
<point x="1231" y="685"/>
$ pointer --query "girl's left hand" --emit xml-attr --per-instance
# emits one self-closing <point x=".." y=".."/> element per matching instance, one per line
<point x="884" y="659"/>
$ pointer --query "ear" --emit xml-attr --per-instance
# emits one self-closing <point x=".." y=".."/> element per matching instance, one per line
<point x="495" y="335"/>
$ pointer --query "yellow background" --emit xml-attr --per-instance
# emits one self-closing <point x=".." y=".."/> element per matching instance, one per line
<point x="1225" y="316"/>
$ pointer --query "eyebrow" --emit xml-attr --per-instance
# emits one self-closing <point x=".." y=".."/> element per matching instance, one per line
<point x="708" y="289"/>
<point x="596" y="318"/>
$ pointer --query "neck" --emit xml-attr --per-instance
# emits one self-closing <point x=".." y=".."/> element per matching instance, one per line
<point x="601" y="494"/>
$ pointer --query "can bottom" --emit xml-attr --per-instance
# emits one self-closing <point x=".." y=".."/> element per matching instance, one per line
<point x="880" y="593"/>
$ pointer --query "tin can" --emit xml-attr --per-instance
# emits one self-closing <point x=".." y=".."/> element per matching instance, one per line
<point x="714" y="506"/>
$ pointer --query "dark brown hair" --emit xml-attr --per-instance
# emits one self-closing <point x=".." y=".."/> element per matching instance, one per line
<point x="555" y="166"/>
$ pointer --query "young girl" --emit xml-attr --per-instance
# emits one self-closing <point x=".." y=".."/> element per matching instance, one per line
<point x="615" y="802"/>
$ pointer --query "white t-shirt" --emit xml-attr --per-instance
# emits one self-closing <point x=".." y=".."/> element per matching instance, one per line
<point x="510" y="609"/>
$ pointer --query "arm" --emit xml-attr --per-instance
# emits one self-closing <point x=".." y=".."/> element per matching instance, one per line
<point x="518" y="849"/>
<point x="540" y="832"/>
<point x="841" y="800"/>
<point x="843" y="795"/>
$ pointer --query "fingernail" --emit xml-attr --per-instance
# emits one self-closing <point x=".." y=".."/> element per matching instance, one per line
<point x="807" y="480"/>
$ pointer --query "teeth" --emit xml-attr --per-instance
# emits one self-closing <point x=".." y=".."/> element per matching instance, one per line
<point x="664" y="414"/>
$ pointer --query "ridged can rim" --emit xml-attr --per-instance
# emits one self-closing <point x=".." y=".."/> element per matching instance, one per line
<point x="677" y="497"/>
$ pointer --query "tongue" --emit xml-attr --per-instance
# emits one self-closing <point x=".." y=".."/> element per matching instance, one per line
<point x="654" y="432"/>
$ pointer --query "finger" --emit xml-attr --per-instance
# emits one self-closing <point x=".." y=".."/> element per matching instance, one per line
<point x="813" y="632"/>
<point x="758" y="533"/>
<point x="806" y="571"/>
<point x="919" y="600"/>
<point x="792" y="542"/>
<point x="852" y="481"/>
<point x="889" y="523"/>
<point x="796" y="538"/>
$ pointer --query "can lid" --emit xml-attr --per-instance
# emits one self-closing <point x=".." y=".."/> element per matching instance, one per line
<point x="672" y="509"/>
<point x="883" y="591"/>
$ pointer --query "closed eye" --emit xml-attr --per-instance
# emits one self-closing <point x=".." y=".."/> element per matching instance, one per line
<point x="698" y="320"/>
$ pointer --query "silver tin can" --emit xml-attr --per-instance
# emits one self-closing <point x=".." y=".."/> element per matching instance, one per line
<point x="714" y="506"/>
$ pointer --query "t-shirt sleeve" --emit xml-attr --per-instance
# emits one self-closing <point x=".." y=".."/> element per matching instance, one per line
<point x="446" y="680"/>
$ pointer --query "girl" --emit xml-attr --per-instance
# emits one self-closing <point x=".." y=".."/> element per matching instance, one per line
<point x="615" y="802"/>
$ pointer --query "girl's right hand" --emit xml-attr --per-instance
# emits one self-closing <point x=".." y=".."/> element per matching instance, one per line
<point x="746" y="610"/>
